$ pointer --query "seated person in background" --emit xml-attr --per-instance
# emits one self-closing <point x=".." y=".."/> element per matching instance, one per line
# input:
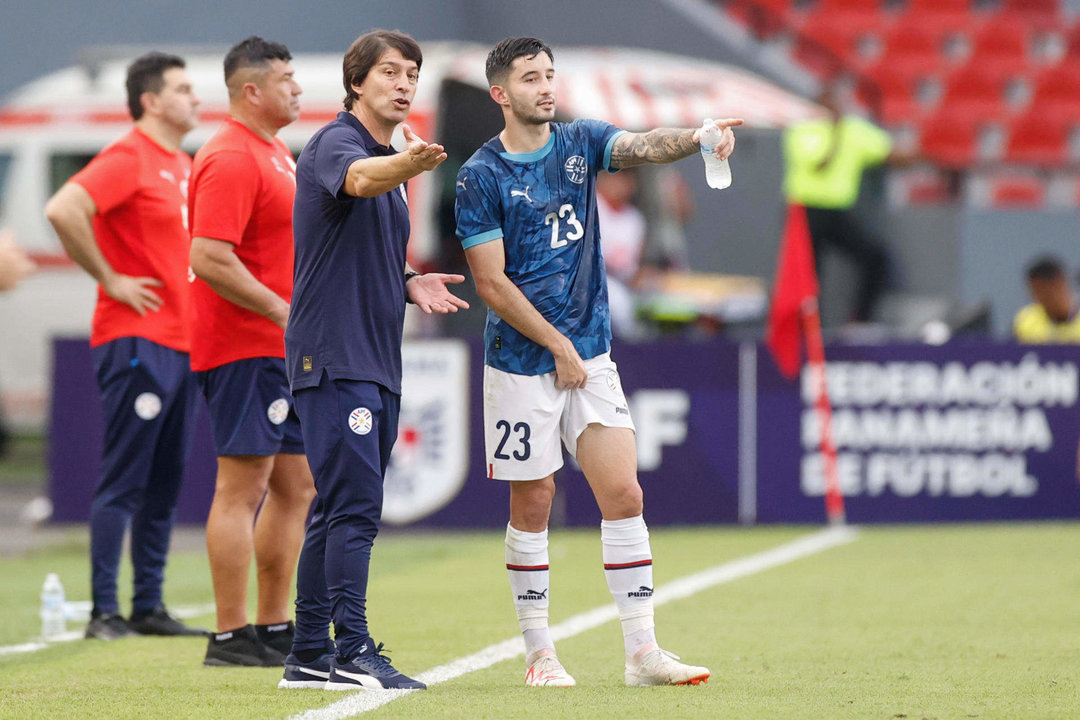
<point x="1053" y="317"/>
<point x="674" y="211"/>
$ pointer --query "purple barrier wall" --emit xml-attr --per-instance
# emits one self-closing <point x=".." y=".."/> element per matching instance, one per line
<point x="958" y="432"/>
<point x="975" y="431"/>
<point x="683" y="397"/>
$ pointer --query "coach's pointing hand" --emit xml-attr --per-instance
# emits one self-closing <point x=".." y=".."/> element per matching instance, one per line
<point x="426" y="156"/>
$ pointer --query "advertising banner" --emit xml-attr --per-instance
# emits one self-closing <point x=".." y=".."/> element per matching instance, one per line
<point x="979" y="431"/>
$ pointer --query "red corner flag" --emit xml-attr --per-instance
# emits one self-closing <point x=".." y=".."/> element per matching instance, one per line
<point x="796" y="282"/>
<point x="794" y="317"/>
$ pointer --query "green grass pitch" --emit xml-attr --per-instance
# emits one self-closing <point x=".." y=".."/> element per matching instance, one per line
<point x="968" y="621"/>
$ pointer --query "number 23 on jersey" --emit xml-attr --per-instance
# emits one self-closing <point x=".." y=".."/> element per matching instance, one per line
<point x="574" y="230"/>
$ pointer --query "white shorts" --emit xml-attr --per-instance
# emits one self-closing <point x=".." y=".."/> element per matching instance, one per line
<point x="525" y="416"/>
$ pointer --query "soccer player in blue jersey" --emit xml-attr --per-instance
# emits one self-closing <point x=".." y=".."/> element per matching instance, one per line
<point x="343" y="350"/>
<point x="526" y="216"/>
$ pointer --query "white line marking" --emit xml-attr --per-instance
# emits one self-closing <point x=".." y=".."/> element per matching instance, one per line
<point x="181" y="613"/>
<point x="361" y="702"/>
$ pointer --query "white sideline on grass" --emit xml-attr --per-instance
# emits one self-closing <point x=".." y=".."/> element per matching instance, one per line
<point x="361" y="702"/>
<point x="181" y="613"/>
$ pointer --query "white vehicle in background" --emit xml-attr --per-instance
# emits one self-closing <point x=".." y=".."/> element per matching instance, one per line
<point x="52" y="127"/>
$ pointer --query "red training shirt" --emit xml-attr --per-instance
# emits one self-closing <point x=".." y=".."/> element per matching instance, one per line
<point x="140" y="190"/>
<point x="242" y="190"/>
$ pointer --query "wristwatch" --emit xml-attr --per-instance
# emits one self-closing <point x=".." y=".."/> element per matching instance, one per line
<point x="409" y="276"/>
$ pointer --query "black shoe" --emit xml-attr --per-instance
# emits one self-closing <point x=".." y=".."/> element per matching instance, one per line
<point x="240" y="648"/>
<point x="277" y="637"/>
<point x="371" y="670"/>
<point x="108" y="626"/>
<point x="159" y="622"/>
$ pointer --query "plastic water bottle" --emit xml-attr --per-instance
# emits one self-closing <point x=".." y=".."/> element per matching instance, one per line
<point x="52" y="607"/>
<point x="717" y="172"/>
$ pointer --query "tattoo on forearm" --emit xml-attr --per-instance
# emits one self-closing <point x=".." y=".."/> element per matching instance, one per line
<point x="662" y="145"/>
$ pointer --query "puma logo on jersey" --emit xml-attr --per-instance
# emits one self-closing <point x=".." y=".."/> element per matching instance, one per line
<point x="522" y="193"/>
<point x="461" y="183"/>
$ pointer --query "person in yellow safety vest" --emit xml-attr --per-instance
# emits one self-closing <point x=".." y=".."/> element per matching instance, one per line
<point x="824" y="161"/>
<point x="1053" y="317"/>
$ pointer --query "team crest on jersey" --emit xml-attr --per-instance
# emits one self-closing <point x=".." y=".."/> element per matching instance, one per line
<point x="147" y="406"/>
<point x="278" y="411"/>
<point x="430" y="458"/>
<point x="360" y="421"/>
<point x="576" y="168"/>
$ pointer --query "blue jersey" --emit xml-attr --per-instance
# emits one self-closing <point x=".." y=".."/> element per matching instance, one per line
<point x="348" y="301"/>
<point x="543" y="206"/>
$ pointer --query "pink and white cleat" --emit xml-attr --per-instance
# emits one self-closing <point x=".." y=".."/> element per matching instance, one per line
<point x="659" y="667"/>
<point x="546" y="671"/>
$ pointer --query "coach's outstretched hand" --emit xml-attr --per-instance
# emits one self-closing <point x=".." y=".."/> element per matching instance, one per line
<point x="426" y="156"/>
<point x="430" y="294"/>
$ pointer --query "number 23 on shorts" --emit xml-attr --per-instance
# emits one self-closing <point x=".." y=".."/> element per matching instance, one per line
<point x="519" y="444"/>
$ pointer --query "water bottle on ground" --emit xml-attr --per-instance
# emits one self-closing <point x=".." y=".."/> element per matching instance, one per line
<point x="717" y="172"/>
<point x="52" y="607"/>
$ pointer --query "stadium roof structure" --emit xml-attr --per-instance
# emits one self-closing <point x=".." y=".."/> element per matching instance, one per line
<point x="633" y="88"/>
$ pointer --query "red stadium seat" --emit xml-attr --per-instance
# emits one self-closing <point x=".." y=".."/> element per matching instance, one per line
<point x="975" y="91"/>
<point x="1001" y="43"/>
<point x="953" y="6"/>
<point x="1034" y="18"/>
<point x="1038" y="138"/>
<point x="872" y="6"/>
<point x="950" y="139"/>
<point x="1057" y="91"/>
<point x="939" y="19"/>
<point x="845" y="33"/>
<point x="1072" y="42"/>
<point x="899" y="100"/>
<point x="1014" y="191"/>
<point x="1036" y="12"/>
<point x="925" y="186"/>
<point x="912" y="48"/>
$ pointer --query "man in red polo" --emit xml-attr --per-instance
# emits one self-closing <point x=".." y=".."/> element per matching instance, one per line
<point x="241" y="200"/>
<point x="123" y="219"/>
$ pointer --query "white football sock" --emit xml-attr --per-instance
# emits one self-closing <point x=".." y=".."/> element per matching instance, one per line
<point x="527" y="568"/>
<point x="628" y="569"/>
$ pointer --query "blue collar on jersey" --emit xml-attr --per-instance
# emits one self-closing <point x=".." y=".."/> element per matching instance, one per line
<point x="530" y="156"/>
<point x="373" y="145"/>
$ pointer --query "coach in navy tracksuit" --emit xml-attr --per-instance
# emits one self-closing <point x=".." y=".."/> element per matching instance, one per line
<point x="343" y="348"/>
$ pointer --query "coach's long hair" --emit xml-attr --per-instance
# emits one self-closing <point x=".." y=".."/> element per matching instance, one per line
<point x="366" y="51"/>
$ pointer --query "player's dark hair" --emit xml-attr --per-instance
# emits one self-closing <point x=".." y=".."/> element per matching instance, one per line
<point x="254" y="52"/>
<point x="366" y="51"/>
<point x="503" y="55"/>
<point x="1045" y="268"/>
<point x="147" y="74"/>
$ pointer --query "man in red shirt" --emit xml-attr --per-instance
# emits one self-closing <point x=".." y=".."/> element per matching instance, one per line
<point x="123" y="219"/>
<point x="241" y="200"/>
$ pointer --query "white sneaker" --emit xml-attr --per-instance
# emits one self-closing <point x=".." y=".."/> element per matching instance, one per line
<point x="659" y="667"/>
<point x="547" y="671"/>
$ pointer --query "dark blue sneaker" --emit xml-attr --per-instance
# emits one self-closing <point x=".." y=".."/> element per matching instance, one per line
<point x="369" y="670"/>
<point x="306" y="675"/>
